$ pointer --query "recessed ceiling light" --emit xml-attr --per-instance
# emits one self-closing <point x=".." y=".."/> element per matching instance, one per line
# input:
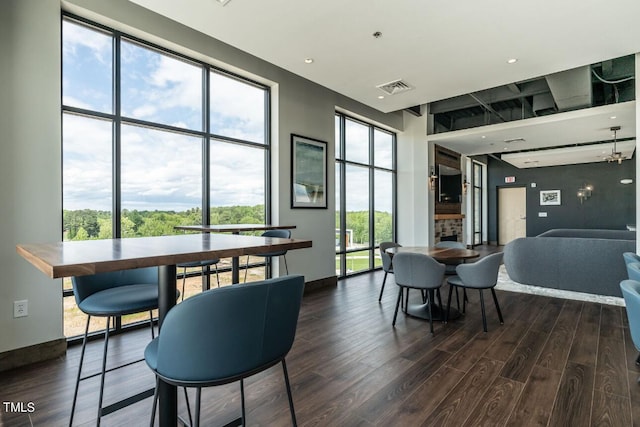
<point x="626" y="181"/>
<point x="308" y="61"/>
<point x="381" y="97"/>
<point x="483" y="136"/>
<point x="613" y="117"/>
<point x="512" y="61"/>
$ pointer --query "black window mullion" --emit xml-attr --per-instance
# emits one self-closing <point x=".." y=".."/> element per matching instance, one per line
<point x="117" y="140"/>
<point x="372" y="238"/>
<point x="206" y="147"/>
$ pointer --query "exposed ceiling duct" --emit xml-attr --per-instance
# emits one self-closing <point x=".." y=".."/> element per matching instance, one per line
<point x="571" y="89"/>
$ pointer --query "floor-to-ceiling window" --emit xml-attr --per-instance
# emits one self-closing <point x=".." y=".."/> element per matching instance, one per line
<point x="478" y="218"/>
<point x="365" y="193"/>
<point x="154" y="139"/>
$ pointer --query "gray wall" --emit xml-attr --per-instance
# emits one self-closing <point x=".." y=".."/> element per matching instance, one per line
<point x="612" y="205"/>
<point x="30" y="188"/>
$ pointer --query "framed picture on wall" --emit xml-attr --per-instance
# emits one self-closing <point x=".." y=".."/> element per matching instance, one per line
<point x="308" y="172"/>
<point x="549" y="197"/>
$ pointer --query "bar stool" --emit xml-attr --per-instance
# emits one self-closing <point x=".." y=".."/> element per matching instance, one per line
<point x="284" y="234"/>
<point x="202" y="265"/>
<point x="111" y="295"/>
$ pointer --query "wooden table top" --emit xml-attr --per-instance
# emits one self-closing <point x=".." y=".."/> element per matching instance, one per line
<point x="233" y="228"/>
<point x="440" y="254"/>
<point x="77" y="258"/>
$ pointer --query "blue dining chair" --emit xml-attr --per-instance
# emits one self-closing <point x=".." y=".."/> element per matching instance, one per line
<point x="111" y="295"/>
<point x="631" y="293"/>
<point x="633" y="271"/>
<point x="418" y="271"/>
<point x="284" y="234"/>
<point x="250" y="328"/>
<point x="630" y="257"/>
<point x="481" y="275"/>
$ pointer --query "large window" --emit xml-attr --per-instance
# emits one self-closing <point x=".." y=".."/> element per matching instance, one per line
<point x="154" y="139"/>
<point x="365" y="194"/>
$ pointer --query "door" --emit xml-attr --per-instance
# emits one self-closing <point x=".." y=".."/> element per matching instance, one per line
<point x="512" y="214"/>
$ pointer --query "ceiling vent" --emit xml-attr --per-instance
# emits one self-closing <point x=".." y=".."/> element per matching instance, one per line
<point x="509" y="141"/>
<point x="395" y="87"/>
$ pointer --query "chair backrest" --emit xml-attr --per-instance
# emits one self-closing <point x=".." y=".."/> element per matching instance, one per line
<point x="84" y="286"/>
<point x="417" y="270"/>
<point x="630" y="257"/>
<point x="482" y="273"/>
<point x="450" y="244"/>
<point x="631" y="293"/>
<point x="386" y="258"/>
<point x="227" y="332"/>
<point x="633" y="270"/>
<point x="283" y="234"/>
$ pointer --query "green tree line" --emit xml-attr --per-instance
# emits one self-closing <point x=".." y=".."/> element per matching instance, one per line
<point x="86" y="224"/>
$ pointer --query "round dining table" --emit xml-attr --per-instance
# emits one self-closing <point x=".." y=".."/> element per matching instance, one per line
<point x="443" y="255"/>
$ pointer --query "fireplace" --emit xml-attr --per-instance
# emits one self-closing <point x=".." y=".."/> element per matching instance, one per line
<point x="448" y="227"/>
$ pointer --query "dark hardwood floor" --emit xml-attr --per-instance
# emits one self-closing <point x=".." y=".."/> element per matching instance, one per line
<point x="554" y="362"/>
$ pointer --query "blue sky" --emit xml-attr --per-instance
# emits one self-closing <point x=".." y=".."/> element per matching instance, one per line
<point x="162" y="170"/>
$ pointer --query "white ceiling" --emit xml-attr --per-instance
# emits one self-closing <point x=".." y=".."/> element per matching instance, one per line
<point x="442" y="49"/>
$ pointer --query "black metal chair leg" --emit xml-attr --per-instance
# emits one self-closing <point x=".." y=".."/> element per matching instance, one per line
<point x="442" y="318"/>
<point x="294" y="423"/>
<point x="286" y="267"/>
<point x="382" y="288"/>
<point x="484" y="317"/>
<point x="395" y="315"/>
<point x="196" y="422"/>
<point x="449" y="301"/>
<point x="457" y="296"/>
<point x="186" y="398"/>
<point x="244" y="415"/>
<point x="75" y="393"/>
<point x="155" y="403"/>
<point x="495" y="300"/>
<point x="104" y="367"/>
<point x="429" y="303"/>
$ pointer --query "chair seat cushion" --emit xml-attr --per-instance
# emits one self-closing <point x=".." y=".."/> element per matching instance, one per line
<point x="151" y="354"/>
<point x="121" y="300"/>
<point x="198" y="263"/>
<point x="457" y="281"/>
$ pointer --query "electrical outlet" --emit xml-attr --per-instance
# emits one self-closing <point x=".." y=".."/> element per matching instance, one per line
<point x="21" y="308"/>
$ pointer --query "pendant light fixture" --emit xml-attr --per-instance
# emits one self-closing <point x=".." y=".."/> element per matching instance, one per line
<point x="616" y="156"/>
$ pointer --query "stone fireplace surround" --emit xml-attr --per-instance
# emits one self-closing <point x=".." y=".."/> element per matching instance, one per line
<point x="448" y="225"/>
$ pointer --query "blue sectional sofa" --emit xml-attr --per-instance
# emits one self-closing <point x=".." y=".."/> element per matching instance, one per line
<point x="571" y="259"/>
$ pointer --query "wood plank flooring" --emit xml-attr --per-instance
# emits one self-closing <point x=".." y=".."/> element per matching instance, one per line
<point x="554" y="362"/>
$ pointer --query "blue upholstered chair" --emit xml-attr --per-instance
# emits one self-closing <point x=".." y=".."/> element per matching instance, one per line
<point x="249" y="329"/>
<point x="630" y="257"/>
<point x="481" y="275"/>
<point x="387" y="267"/>
<point x="284" y="234"/>
<point x="631" y="293"/>
<point x="202" y="265"/>
<point x="110" y="295"/>
<point x="633" y="270"/>
<point x="418" y="271"/>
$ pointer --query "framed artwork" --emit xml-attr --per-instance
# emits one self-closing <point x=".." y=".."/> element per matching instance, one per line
<point x="308" y="172"/>
<point x="549" y="197"/>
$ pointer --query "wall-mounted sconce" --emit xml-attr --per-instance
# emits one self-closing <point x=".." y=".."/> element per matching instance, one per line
<point x="465" y="186"/>
<point x="585" y="192"/>
<point x="432" y="179"/>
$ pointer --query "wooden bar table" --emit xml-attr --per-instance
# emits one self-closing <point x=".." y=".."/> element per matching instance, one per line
<point x="233" y="229"/>
<point x="78" y="258"/>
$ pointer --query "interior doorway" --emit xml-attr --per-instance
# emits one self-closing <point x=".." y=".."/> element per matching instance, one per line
<point x="512" y="214"/>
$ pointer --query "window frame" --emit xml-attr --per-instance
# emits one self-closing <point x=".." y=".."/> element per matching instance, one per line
<point x="341" y="163"/>
<point x="117" y="121"/>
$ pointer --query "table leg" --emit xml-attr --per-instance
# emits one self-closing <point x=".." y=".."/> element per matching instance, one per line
<point x="235" y="266"/>
<point x="167" y="393"/>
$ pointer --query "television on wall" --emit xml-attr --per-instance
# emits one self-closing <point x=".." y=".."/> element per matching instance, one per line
<point x="449" y="184"/>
